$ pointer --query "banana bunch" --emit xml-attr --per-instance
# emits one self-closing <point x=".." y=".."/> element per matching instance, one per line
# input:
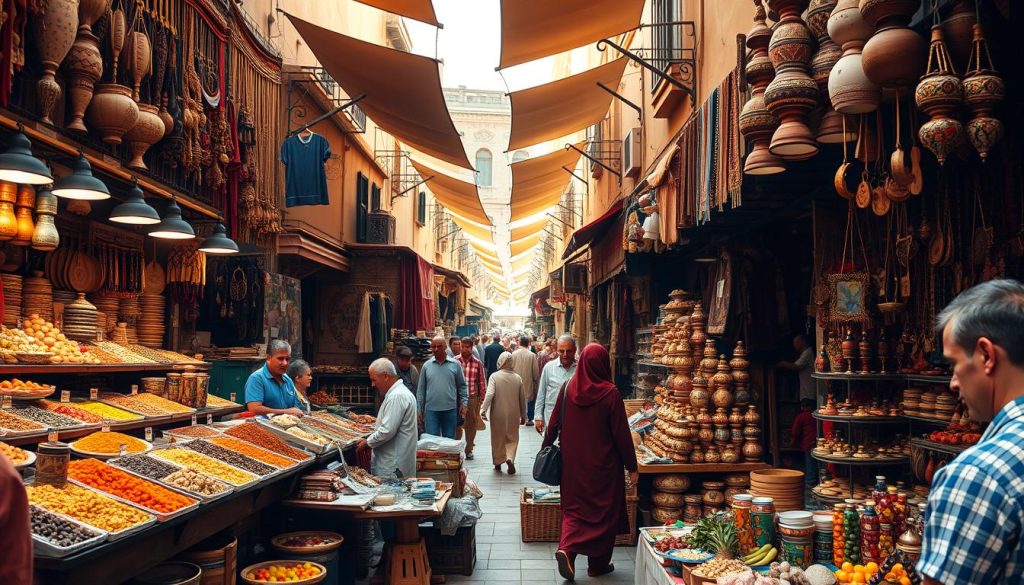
<point x="761" y="556"/>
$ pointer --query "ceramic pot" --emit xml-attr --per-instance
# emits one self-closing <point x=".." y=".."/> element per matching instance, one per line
<point x="699" y="395"/>
<point x="666" y="515"/>
<point x="752" y="418"/>
<point x="23" y="208"/>
<point x="720" y="418"/>
<point x="709" y="365"/>
<point x="8" y="219"/>
<point x="692" y="509"/>
<point x="792" y="95"/>
<point x="751" y="431"/>
<point x="821" y="362"/>
<point x="671" y="482"/>
<point x="85" y="66"/>
<point x="894" y="56"/>
<point x="696" y="456"/>
<point x="722" y="397"/>
<point x="736" y="418"/>
<point x="45" y="238"/>
<point x="849" y="89"/>
<point x="147" y="131"/>
<point x="54" y="24"/>
<point x="167" y="118"/>
<point x="984" y="132"/>
<point x="713" y="455"/>
<point x="703" y="418"/>
<point x="722" y="435"/>
<point x="939" y="94"/>
<point x="941" y="137"/>
<point x="984" y="90"/>
<point x="89" y="11"/>
<point x="957" y="29"/>
<point x="697" y="336"/>
<point x="112" y="111"/>
<point x="756" y="123"/>
<point x="752" y="450"/>
<point x="706" y="435"/>
<point x="667" y="499"/>
<point x="731" y="455"/>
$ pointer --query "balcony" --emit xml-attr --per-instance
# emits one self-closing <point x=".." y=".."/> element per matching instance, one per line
<point x="673" y="52"/>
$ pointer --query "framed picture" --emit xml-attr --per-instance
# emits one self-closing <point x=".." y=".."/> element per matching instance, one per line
<point x="849" y="294"/>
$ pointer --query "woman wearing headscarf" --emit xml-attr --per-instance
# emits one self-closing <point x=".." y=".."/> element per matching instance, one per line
<point x="506" y="402"/>
<point x="589" y="420"/>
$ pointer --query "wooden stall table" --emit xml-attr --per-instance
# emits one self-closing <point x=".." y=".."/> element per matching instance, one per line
<point x="405" y="560"/>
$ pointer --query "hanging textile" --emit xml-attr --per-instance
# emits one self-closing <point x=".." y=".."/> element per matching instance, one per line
<point x="624" y="341"/>
<point x="721" y="295"/>
<point x="364" y="338"/>
<point x="12" y="50"/>
<point x="305" y="176"/>
<point x="415" y="302"/>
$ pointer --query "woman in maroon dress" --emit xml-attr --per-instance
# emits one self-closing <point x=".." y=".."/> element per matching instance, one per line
<point x="595" y="446"/>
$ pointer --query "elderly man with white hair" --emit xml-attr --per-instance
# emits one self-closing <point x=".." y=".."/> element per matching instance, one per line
<point x="393" y="440"/>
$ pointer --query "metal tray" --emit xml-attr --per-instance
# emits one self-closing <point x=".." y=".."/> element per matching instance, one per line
<point x="290" y="438"/>
<point x="113" y="422"/>
<point x="335" y="439"/>
<point x="43" y="547"/>
<point x="236" y="486"/>
<point x="276" y="471"/>
<point x="202" y="498"/>
<point x="295" y="462"/>
<point x="184" y="438"/>
<point x="105" y="456"/>
<point x="160" y="516"/>
<point x="112" y="536"/>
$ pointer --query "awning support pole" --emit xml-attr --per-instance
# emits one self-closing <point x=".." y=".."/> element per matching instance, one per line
<point x="618" y="96"/>
<point x="327" y="115"/>
<point x="586" y="185"/>
<point x="595" y="161"/>
<point x="393" y="197"/>
<point x="571" y="210"/>
<point x="688" y="66"/>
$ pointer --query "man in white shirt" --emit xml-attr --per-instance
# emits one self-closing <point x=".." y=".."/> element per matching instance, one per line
<point x="526" y="364"/>
<point x="394" y="438"/>
<point x="555" y="373"/>
<point x="803" y="366"/>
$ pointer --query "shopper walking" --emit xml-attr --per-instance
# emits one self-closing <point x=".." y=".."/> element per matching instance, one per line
<point x="506" y="403"/>
<point x="407" y="371"/>
<point x="441" y="394"/>
<point x="589" y="421"/>
<point x="975" y="522"/>
<point x="491" y="354"/>
<point x="476" y="382"/>
<point x="525" y="363"/>
<point x="393" y="439"/>
<point x="551" y="379"/>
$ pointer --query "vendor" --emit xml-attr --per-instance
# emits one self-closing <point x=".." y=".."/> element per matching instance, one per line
<point x="302" y="375"/>
<point x="394" y="438"/>
<point x="269" y="390"/>
<point x="972" y="533"/>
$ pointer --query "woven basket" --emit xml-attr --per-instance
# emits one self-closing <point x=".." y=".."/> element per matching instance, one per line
<point x="543" y="522"/>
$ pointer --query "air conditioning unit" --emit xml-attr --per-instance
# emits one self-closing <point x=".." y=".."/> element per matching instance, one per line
<point x="632" y="150"/>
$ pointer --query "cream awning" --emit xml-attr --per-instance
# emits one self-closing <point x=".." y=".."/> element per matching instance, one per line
<point x="459" y="197"/>
<point x="533" y="29"/>
<point x="488" y="263"/>
<point x="520" y="246"/>
<point x="480" y="232"/>
<point x="528" y="229"/>
<point x="559" y="108"/>
<point x="524" y="265"/>
<point x="403" y="91"/>
<point x="421" y="10"/>
<point x="538" y="183"/>
<point x="486" y="252"/>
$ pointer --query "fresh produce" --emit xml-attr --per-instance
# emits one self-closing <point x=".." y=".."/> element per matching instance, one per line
<point x="715" y="534"/>
<point x="109" y="443"/>
<point x="44" y="417"/>
<point x="761" y="556"/>
<point x="230" y="457"/>
<point x="193" y="481"/>
<point x="957" y="434"/>
<point x="126" y="486"/>
<point x="145" y="466"/>
<point x="15" y="455"/>
<point x="850" y="573"/>
<point x="668" y="543"/>
<point x="283" y="573"/>
<point x="52" y="340"/>
<point x="897" y="574"/>
<point x="206" y="464"/>
<point x="71" y="410"/>
<point x="145" y="403"/>
<point x="268" y="457"/>
<point x="306" y="540"/>
<point x="197" y="431"/>
<point x="86" y="506"/>
<point x="22" y="389"/>
<point x="16" y="423"/>
<point x="252" y="433"/>
<point x="718" y="567"/>
<point x="107" y="412"/>
<point x="788" y="574"/>
<point x="56" y="530"/>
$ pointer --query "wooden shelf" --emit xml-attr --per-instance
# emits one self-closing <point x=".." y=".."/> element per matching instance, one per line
<point x="59" y="369"/>
<point x="854" y="377"/>
<point x="652" y="364"/>
<point x="859" y="419"/>
<point x="935" y="421"/>
<point x="862" y="462"/>
<point x="700" y="467"/>
<point x="939" y="447"/>
<point x="927" y="379"/>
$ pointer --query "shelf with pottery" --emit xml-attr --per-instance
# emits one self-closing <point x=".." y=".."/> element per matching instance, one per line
<point x="701" y="467"/>
<point x="903" y="460"/>
<point x="868" y="419"/>
<point x="939" y="447"/>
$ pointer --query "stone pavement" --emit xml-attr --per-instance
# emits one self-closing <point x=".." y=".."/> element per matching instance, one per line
<point x="502" y="557"/>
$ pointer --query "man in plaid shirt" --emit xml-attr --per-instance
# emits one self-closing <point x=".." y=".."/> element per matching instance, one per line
<point x="976" y="507"/>
<point x="473" y="369"/>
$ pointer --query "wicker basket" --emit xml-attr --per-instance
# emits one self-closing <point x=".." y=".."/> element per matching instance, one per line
<point x="543" y="522"/>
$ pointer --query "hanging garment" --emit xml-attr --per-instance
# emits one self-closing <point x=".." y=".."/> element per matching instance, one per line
<point x="364" y="336"/>
<point x="305" y="174"/>
<point x="378" y="323"/>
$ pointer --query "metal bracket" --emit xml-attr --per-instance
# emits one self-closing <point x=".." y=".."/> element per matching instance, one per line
<point x="594" y="160"/>
<point x="559" y="220"/>
<point x="571" y="210"/>
<point x="586" y="185"/>
<point x="689" y="63"/>
<point x="397" y="195"/>
<point x="617" y="95"/>
<point x="326" y="115"/>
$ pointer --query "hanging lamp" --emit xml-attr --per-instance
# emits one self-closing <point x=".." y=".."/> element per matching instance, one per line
<point x="219" y="242"/>
<point x="172" y="226"/>
<point x="81" y="183"/>
<point x="18" y="165"/>
<point x="134" y="210"/>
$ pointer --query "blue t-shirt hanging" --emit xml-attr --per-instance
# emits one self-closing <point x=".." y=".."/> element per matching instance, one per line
<point x="305" y="178"/>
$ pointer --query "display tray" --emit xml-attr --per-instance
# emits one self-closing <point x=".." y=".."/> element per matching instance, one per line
<point x="854" y="376"/>
<point x="27" y="462"/>
<point x="261" y="477"/>
<point x="43" y="547"/>
<point x="112" y="536"/>
<point x="295" y="462"/>
<point x="852" y="461"/>
<point x="937" y="421"/>
<point x="202" y="498"/>
<point x="939" y="447"/>
<point x="105" y="456"/>
<point x="290" y="438"/>
<point x="28" y="395"/>
<point x="860" y="419"/>
<point x="651" y="533"/>
<point x="5" y="432"/>
<point x="282" y="563"/>
<point x="238" y="486"/>
<point x="160" y="516"/>
<point x="152" y="417"/>
<point x="278" y="542"/>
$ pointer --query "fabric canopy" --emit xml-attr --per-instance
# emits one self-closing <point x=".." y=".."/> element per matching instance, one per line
<point x="485" y="252"/>
<point x="459" y="197"/>
<point x="520" y="246"/>
<point x="494" y="266"/>
<point x="533" y="29"/>
<point x="421" y="10"/>
<point x="403" y="91"/>
<point x="480" y="232"/>
<point x="559" y="108"/>
<point x="593" y="230"/>
<point x="538" y="183"/>
<point x="528" y="229"/>
<point x="519" y="265"/>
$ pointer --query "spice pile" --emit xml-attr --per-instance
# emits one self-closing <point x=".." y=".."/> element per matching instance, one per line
<point x="195" y="431"/>
<point x="126" y="486"/>
<point x="194" y="481"/>
<point x="230" y="457"/>
<point x="44" y="417"/>
<point x="87" y="506"/>
<point x="16" y="423"/>
<point x="71" y="411"/>
<point x="109" y="443"/>
<point x="213" y="401"/>
<point x="106" y="411"/>
<point x="15" y="455"/>
<point x="206" y="464"/>
<point x="147" y="404"/>
<point x="145" y="466"/>
<point x="252" y="433"/>
<point x="268" y="457"/>
<point x="56" y="530"/>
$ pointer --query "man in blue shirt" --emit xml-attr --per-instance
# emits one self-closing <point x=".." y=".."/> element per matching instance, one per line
<point x="269" y="390"/>
<point x="491" y="354"/>
<point x="442" y="394"/>
<point x="975" y="519"/>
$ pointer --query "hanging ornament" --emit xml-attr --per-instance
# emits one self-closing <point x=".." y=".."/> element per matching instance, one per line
<point x="756" y="122"/>
<point x="984" y="90"/>
<point x="939" y="94"/>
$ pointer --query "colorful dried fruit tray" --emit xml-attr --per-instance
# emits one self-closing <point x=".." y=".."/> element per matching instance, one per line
<point x="239" y="478"/>
<point x="204" y="498"/>
<point x="291" y="438"/>
<point x="13" y="426"/>
<point x="44" y="547"/>
<point x="25" y="390"/>
<point x="103" y="501"/>
<point x="17" y="456"/>
<point x="80" y="447"/>
<point x="148" y="405"/>
<point x="160" y="516"/>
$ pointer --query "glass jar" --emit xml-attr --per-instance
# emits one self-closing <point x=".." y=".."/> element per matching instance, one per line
<point x="838" y="534"/>
<point x="851" y="533"/>
<point x="870" y="529"/>
<point x="741" y="504"/>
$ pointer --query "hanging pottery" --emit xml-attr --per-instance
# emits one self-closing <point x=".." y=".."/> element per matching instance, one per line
<point x="939" y="94"/>
<point x="112" y="111"/>
<point x="958" y="31"/>
<point x="138" y="59"/>
<point x="755" y="122"/>
<point x="147" y="131"/>
<point x="984" y="90"/>
<point x="849" y="89"/>
<point x="894" y="56"/>
<point x="8" y="220"/>
<point x="85" y="66"/>
<point x="54" y="24"/>
<point x="831" y="129"/>
<point x="46" y="238"/>
<point x="23" y="208"/>
<point x="792" y="95"/>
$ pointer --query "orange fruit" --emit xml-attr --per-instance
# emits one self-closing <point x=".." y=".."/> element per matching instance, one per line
<point x="858" y="578"/>
<point x="898" y="568"/>
<point x="842" y="576"/>
<point x="848" y="567"/>
<point x="904" y="580"/>
<point x="871" y="567"/>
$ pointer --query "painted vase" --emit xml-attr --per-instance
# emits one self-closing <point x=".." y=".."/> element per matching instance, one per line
<point x="984" y="90"/>
<point x="752" y="418"/>
<point x="756" y="123"/>
<point x="939" y="94"/>
<point x="146" y="132"/>
<point x="849" y="89"/>
<point x="752" y="450"/>
<point x="54" y="25"/>
<point x="792" y="95"/>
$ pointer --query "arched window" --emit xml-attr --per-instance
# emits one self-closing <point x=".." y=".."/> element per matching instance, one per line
<point x="483" y="167"/>
<point x="520" y="155"/>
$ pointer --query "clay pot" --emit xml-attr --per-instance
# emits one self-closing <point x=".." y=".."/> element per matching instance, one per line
<point x="85" y="66"/>
<point x="792" y="95"/>
<point x="751" y="431"/>
<point x="699" y="395"/>
<point x="698" y="337"/>
<point x="666" y="515"/>
<point x="146" y="132"/>
<point x="756" y="123"/>
<point x="722" y="435"/>
<point x="984" y="90"/>
<point x="941" y="137"/>
<point x="849" y="89"/>
<point x="709" y="365"/>
<point x="939" y="94"/>
<point x="667" y="499"/>
<point x="752" y="417"/>
<point x="692" y="510"/>
<point x="731" y="455"/>
<point x="722" y="397"/>
<point x="89" y="11"/>
<point x="736" y="418"/>
<point x="752" y="450"/>
<point x="167" y="118"/>
<point x="54" y="25"/>
<point x="720" y="418"/>
<point x="713" y="455"/>
<point x="894" y="56"/>
<point x="8" y="220"/>
<point x="957" y="29"/>
<point x="139" y="57"/>
<point x="112" y="111"/>
<point x="671" y="482"/>
<point x="703" y="418"/>
<point x="706" y="435"/>
<point x="696" y="456"/>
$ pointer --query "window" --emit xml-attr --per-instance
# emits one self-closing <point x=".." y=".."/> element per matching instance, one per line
<point x="520" y="155"/>
<point x="667" y="46"/>
<point x="421" y="208"/>
<point x="362" y="206"/>
<point x="375" y="197"/>
<point x="483" y="167"/>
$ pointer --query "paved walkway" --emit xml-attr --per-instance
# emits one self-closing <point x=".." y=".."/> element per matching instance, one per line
<point x="502" y="557"/>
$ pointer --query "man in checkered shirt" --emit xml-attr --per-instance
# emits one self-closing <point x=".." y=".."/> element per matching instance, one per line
<point x="976" y="507"/>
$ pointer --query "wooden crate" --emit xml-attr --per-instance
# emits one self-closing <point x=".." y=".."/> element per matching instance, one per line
<point x="451" y="555"/>
<point x="543" y="522"/>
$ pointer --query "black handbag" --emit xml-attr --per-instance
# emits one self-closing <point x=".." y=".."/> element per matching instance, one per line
<point x="547" y="467"/>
